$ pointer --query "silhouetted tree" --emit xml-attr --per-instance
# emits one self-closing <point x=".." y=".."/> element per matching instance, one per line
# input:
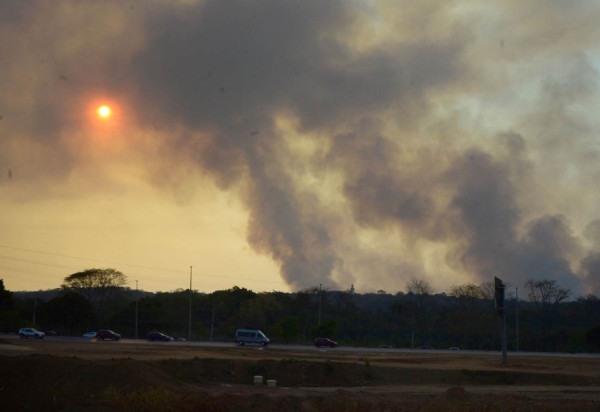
<point x="421" y="309"/>
<point x="9" y="317"/>
<point x="288" y="328"/>
<point x="327" y="329"/>
<point x="102" y="288"/>
<point x="546" y="295"/>
<point x="7" y="301"/>
<point x="593" y="336"/>
<point x="96" y="285"/>
<point x="418" y="286"/>
<point x="467" y="322"/>
<point x="70" y="313"/>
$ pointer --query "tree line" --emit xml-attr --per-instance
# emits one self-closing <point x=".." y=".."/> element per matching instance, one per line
<point x="545" y="319"/>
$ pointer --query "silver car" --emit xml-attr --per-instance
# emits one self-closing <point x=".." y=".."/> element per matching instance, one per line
<point x="31" y="333"/>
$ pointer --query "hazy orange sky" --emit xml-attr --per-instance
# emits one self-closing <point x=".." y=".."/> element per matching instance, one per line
<point x="279" y="145"/>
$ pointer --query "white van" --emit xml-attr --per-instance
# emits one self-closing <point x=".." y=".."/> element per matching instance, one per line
<point x="251" y="336"/>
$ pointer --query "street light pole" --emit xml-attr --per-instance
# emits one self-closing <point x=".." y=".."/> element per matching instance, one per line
<point x="517" y="319"/>
<point x="212" y="323"/>
<point x="34" y="308"/>
<point x="190" y="309"/>
<point x="320" y="304"/>
<point x="136" y="309"/>
<point x="504" y="345"/>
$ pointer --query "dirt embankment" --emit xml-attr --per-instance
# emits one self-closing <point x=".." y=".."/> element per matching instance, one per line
<point x="46" y="375"/>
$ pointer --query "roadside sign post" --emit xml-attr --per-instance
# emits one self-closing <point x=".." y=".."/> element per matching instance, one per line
<point x="499" y="288"/>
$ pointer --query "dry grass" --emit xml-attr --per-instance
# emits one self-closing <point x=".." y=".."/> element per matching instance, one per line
<point x="56" y="375"/>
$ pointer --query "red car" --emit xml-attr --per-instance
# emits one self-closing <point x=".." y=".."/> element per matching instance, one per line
<point x="325" y="342"/>
<point x="107" y="334"/>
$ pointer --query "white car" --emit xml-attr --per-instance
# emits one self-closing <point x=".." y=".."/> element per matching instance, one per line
<point x="89" y="335"/>
<point x="31" y="333"/>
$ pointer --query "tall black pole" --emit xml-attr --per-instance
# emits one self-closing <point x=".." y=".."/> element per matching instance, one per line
<point x="499" y="288"/>
<point x="136" y="309"/>
<point x="34" y="308"/>
<point x="320" y="304"/>
<point x="212" y="323"/>
<point x="517" y="320"/>
<point x="190" y="309"/>
<point x="504" y="357"/>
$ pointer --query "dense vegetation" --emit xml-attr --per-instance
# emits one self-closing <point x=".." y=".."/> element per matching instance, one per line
<point x="464" y="317"/>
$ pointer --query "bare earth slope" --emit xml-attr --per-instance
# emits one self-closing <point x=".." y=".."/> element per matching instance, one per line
<point x="88" y="375"/>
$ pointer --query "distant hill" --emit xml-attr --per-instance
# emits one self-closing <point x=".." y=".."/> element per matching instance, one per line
<point x="44" y="295"/>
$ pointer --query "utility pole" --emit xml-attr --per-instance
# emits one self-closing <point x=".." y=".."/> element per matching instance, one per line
<point x="504" y="345"/>
<point x="34" y="308"/>
<point x="412" y="333"/>
<point x="517" y="319"/>
<point x="212" y="323"/>
<point x="320" y="285"/>
<point x="190" y="310"/>
<point x="136" y="309"/>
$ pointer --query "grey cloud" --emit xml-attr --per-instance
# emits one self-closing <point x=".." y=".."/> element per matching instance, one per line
<point x="380" y="191"/>
<point x="230" y="70"/>
<point x="486" y="214"/>
<point x="220" y="64"/>
<point x="548" y="247"/>
<point x="288" y="226"/>
<point x="591" y="270"/>
<point x="592" y="233"/>
<point x="386" y="123"/>
<point x="487" y="229"/>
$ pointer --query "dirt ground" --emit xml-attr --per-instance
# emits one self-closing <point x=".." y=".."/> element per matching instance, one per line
<point x="52" y="374"/>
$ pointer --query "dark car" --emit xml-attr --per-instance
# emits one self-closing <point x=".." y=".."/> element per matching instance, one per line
<point x="107" y="334"/>
<point x="325" y="342"/>
<point x="152" y="336"/>
<point x="425" y="347"/>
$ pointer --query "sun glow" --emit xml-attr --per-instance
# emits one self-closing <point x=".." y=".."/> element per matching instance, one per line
<point x="104" y="111"/>
<point x="104" y="115"/>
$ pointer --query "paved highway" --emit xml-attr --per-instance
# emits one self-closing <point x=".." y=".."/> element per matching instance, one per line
<point x="370" y="350"/>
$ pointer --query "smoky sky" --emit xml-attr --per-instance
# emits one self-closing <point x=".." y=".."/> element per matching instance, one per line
<point x="361" y="136"/>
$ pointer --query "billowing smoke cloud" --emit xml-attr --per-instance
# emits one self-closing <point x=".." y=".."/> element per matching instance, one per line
<point x="369" y="141"/>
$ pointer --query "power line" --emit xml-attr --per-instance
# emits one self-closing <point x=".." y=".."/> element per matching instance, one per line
<point x="155" y="278"/>
<point x="28" y="276"/>
<point x="88" y="259"/>
<point x="36" y="263"/>
<point x="144" y="277"/>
